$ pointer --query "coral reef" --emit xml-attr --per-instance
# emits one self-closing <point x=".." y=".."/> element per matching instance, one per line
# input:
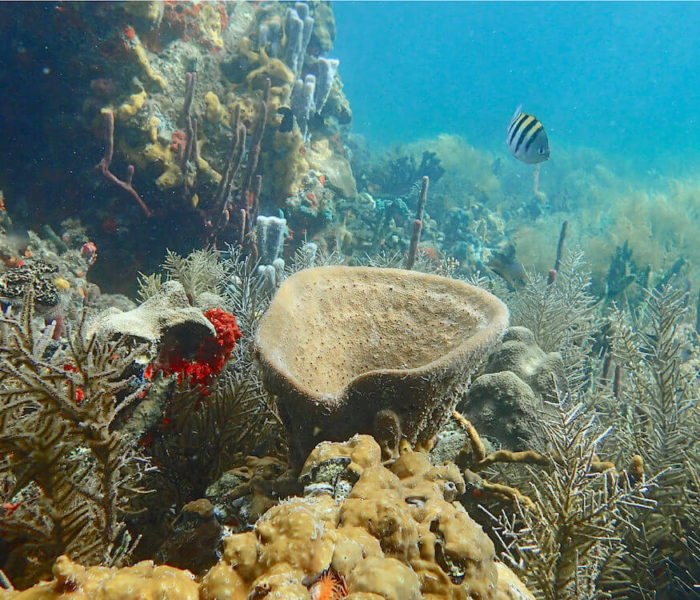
<point x="201" y="441"/>
<point x="167" y="97"/>
<point x="395" y="340"/>
<point x="639" y="380"/>
<point x="398" y="534"/>
<point x="176" y="431"/>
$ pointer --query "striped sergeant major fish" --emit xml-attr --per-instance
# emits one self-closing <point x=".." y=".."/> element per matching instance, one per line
<point x="527" y="139"/>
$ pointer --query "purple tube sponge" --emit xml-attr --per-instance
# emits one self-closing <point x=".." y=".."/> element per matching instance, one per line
<point x="298" y="27"/>
<point x="294" y="31"/>
<point x="270" y="37"/>
<point x="302" y="102"/>
<point x="270" y="233"/>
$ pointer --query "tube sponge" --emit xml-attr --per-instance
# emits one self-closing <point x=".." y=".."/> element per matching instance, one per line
<point x="326" y="69"/>
<point x="270" y="232"/>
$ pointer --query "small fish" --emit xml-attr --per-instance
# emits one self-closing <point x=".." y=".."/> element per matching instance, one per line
<point x="507" y="266"/>
<point x="287" y="122"/>
<point x="527" y="139"/>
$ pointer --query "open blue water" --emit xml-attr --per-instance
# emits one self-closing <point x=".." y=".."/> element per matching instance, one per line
<point x="616" y="76"/>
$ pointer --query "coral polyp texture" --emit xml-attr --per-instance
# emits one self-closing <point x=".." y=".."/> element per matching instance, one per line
<point x="340" y="344"/>
<point x="398" y="535"/>
<point x="144" y="580"/>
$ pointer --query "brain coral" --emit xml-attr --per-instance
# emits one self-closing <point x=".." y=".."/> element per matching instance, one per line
<point x="340" y="344"/>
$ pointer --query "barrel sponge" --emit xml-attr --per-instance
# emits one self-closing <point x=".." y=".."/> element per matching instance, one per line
<point x="338" y="344"/>
<point x="144" y="580"/>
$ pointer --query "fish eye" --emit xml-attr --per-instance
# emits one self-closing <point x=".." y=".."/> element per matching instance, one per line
<point x="541" y="150"/>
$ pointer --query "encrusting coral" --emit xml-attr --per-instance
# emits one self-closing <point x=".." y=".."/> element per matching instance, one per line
<point x="339" y="344"/>
<point x="503" y="398"/>
<point x="143" y="580"/>
<point x="398" y="535"/>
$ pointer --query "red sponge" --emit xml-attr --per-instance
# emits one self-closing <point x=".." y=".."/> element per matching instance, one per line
<point x="211" y="356"/>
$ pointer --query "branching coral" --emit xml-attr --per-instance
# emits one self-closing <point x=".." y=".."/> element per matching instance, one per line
<point x="398" y="171"/>
<point x="644" y="386"/>
<point x="247" y="293"/>
<point x="656" y="416"/>
<point x="565" y="544"/>
<point x="197" y="440"/>
<point x="67" y="475"/>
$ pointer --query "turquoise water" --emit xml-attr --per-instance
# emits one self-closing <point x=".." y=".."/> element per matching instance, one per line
<point x="618" y="77"/>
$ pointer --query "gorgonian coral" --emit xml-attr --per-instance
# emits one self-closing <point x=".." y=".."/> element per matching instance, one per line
<point x="68" y="474"/>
